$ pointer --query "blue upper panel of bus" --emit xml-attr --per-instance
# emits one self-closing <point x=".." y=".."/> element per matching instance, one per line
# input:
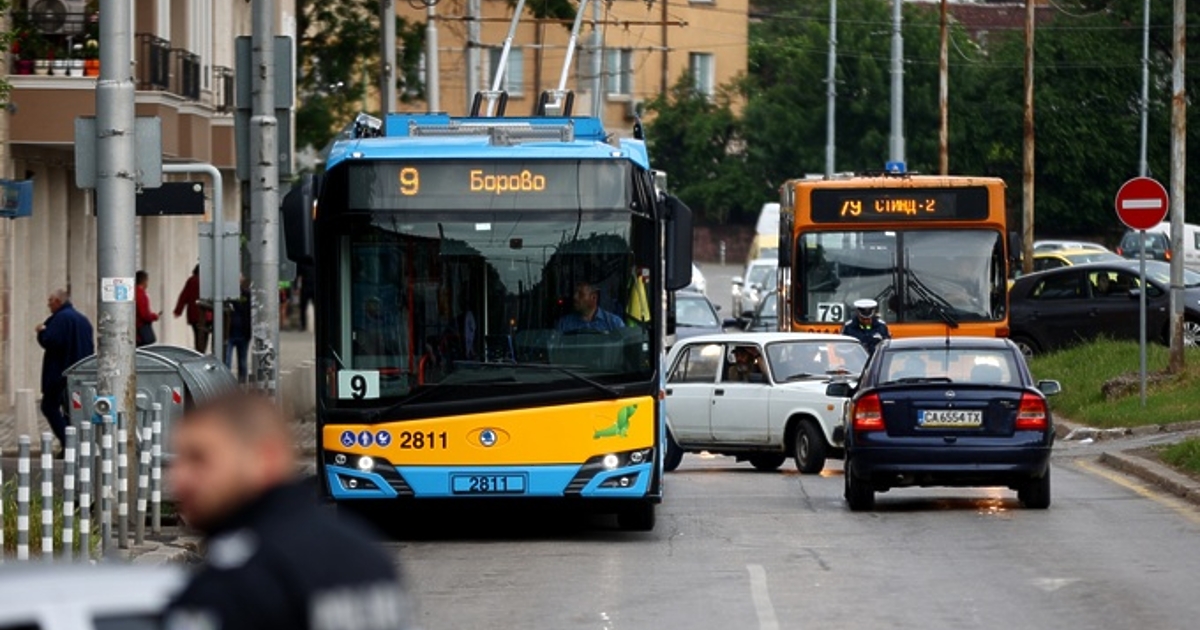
<point x="589" y="143"/>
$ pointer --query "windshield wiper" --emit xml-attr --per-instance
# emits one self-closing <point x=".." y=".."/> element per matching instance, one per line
<point x="940" y="305"/>
<point x="611" y="391"/>
<point x="799" y="376"/>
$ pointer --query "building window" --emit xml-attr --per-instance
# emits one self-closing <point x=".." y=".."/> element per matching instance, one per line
<point x="514" y="77"/>
<point x="619" y="70"/>
<point x="703" y="73"/>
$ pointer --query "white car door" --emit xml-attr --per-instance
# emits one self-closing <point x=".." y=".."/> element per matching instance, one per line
<point x="689" y="391"/>
<point x="741" y="406"/>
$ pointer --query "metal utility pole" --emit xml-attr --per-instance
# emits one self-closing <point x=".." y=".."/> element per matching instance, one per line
<point x="264" y="200"/>
<point x="896" y="153"/>
<point x="1027" y="188"/>
<point x="944" y="95"/>
<point x="433" y="92"/>
<point x="597" y="64"/>
<point x="1178" y="172"/>
<point x="115" y="200"/>
<point x="387" y="58"/>
<point x="1143" y="167"/>
<point x="831" y="92"/>
<point x="472" y="50"/>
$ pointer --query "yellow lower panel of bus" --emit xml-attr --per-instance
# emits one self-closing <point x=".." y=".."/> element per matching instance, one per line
<point x="561" y="434"/>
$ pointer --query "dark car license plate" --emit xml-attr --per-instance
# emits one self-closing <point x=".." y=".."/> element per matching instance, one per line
<point x="949" y="418"/>
<point x="488" y="484"/>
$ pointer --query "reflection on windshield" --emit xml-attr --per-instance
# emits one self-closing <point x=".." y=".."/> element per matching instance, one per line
<point x="1160" y="272"/>
<point x="916" y="276"/>
<point x="426" y="302"/>
<point x="990" y="367"/>
<point x="795" y="360"/>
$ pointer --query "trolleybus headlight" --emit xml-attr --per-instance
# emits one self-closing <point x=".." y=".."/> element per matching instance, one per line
<point x="611" y="461"/>
<point x="366" y="463"/>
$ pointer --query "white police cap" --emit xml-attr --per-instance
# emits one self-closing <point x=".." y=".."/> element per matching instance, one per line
<point x="866" y="304"/>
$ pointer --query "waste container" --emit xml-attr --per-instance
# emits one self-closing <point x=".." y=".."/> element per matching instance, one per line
<point x="172" y="376"/>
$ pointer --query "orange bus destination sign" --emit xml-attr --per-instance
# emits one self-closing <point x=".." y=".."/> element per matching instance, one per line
<point x="838" y="205"/>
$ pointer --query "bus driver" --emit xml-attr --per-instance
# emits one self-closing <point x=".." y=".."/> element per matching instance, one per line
<point x="587" y="315"/>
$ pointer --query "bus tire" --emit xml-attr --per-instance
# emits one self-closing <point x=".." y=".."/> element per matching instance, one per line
<point x="674" y="454"/>
<point x="639" y="517"/>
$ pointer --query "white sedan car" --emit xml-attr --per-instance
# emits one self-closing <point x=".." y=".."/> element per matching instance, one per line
<point x="85" y="597"/>
<point x="759" y="397"/>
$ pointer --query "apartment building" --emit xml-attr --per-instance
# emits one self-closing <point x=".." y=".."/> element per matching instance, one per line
<point x="183" y="60"/>
<point x="646" y="47"/>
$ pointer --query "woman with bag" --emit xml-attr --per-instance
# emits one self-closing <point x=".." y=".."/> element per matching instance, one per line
<point x="145" y="316"/>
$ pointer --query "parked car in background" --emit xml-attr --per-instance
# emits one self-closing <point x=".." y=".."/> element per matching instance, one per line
<point x="1062" y="307"/>
<point x="1158" y="244"/>
<point x="750" y="288"/>
<point x="86" y="597"/>
<point x="947" y="411"/>
<point x="1056" y="245"/>
<point x="699" y="284"/>
<point x="1054" y="259"/>
<point x="696" y="315"/>
<point x="758" y="397"/>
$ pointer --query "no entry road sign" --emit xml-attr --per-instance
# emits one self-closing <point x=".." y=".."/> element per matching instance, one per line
<point x="1141" y="203"/>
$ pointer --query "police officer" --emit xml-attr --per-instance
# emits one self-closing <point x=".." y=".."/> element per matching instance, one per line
<point x="866" y="326"/>
<point x="274" y="559"/>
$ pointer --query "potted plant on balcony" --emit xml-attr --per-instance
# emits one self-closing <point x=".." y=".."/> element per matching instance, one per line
<point x="91" y="44"/>
<point x="43" y="54"/>
<point x="75" y="63"/>
<point x="60" y="59"/>
<point x="22" y="44"/>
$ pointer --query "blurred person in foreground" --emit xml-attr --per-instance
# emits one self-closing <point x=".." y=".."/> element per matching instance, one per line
<point x="274" y="559"/>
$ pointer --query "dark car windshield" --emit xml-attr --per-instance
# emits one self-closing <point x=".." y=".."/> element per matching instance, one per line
<point x="694" y="311"/>
<point x="1154" y="241"/>
<point x="952" y="365"/>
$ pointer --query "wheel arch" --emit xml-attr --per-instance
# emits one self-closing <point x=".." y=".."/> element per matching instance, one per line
<point x="794" y="419"/>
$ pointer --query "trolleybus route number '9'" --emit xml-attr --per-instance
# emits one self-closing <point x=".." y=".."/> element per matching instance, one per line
<point x="525" y="181"/>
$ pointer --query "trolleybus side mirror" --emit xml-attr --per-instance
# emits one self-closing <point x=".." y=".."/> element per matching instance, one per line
<point x="679" y="244"/>
<point x="1014" y="247"/>
<point x="297" y="208"/>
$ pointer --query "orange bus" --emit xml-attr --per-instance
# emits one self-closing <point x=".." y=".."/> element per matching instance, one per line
<point x="933" y="251"/>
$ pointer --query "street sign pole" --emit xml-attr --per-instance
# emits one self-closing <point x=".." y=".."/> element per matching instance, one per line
<point x="264" y="201"/>
<point x="1141" y="204"/>
<point x="1142" y="313"/>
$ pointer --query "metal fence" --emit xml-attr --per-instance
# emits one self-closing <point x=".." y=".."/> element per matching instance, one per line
<point x="73" y="504"/>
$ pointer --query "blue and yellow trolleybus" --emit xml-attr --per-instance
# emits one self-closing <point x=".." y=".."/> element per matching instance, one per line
<point x="491" y="311"/>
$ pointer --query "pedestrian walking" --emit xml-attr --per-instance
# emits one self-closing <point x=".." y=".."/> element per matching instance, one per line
<point x="198" y="316"/>
<point x="274" y="558"/>
<point x="239" y="331"/>
<point x="145" y="316"/>
<point x="67" y="337"/>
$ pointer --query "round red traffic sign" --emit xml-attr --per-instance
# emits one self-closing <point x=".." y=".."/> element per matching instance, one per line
<point x="1142" y="203"/>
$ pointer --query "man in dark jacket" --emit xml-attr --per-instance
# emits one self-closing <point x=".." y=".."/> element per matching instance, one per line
<point x="274" y="558"/>
<point x="866" y="326"/>
<point x="66" y="337"/>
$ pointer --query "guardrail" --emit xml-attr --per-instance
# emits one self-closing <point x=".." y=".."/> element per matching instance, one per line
<point x="72" y="503"/>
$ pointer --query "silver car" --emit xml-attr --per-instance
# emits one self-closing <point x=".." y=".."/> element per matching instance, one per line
<point x="749" y="290"/>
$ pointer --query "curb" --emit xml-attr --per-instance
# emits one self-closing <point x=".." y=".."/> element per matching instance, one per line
<point x="1073" y="431"/>
<point x="180" y="550"/>
<point x="1153" y="472"/>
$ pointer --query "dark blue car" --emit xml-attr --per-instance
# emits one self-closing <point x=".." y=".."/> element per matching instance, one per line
<point x="947" y="411"/>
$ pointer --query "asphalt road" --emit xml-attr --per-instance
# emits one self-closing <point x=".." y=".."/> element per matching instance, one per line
<point x="735" y="548"/>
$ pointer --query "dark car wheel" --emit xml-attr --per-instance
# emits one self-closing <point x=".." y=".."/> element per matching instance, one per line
<point x="674" y="454"/>
<point x="808" y="447"/>
<point x="1027" y="346"/>
<point x="1191" y="333"/>
<point x="1036" y="493"/>
<point x="767" y="462"/>
<point x="639" y="517"/>
<point x="859" y="495"/>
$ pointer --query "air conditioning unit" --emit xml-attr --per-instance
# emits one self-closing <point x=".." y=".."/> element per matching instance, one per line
<point x="59" y="17"/>
<point x="635" y="108"/>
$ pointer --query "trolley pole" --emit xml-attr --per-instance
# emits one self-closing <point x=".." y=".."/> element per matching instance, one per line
<point x="264" y="200"/>
<point x="896" y="153"/>
<point x="115" y="200"/>
<point x="387" y="58"/>
<point x="830" y="92"/>
<point x="944" y="94"/>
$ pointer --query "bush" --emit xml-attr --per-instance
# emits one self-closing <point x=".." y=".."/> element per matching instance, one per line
<point x="8" y="494"/>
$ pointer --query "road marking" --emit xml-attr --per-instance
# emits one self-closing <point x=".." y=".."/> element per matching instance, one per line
<point x="762" y="598"/>
<point x="1053" y="584"/>
<point x="1183" y="508"/>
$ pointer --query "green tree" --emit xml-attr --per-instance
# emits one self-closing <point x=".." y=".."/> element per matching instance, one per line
<point x="338" y="53"/>
<point x="695" y="139"/>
